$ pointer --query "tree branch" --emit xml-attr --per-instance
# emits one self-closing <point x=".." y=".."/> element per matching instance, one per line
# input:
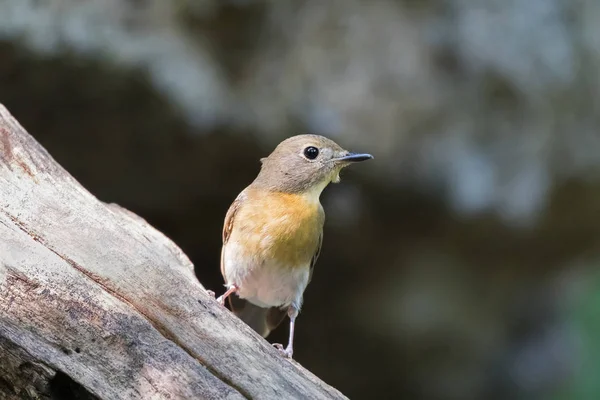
<point x="96" y="303"/>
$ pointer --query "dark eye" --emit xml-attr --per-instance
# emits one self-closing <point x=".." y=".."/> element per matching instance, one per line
<point x="311" y="152"/>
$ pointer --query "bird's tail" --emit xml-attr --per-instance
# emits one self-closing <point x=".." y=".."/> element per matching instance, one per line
<point x="262" y="320"/>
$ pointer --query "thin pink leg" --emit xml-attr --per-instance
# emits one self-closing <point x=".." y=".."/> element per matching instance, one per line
<point x="231" y="289"/>
<point x="289" y="350"/>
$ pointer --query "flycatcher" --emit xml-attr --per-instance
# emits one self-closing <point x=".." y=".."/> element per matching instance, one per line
<point x="274" y="229"/>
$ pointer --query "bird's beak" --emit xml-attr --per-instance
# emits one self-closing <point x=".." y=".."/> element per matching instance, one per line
<point x="355" y="157"/>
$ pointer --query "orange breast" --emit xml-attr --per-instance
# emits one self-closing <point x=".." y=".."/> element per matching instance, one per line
<point x="280" y="227"/>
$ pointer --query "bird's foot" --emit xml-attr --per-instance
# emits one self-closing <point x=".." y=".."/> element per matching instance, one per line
<point x="230" y="289"/>
<point x="210" y="293"/>
<point x="286" y="352"/>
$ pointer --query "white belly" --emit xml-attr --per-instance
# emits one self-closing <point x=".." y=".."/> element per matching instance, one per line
<point x="264" y="282"/>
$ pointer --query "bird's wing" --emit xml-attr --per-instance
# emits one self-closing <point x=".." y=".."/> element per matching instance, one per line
<point x="228" y="225"/>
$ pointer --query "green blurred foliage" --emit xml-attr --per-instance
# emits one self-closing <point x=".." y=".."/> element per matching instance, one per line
<point x="585" y="320"/>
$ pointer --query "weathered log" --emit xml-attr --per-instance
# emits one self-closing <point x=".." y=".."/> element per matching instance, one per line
<point x="95" y="303"/>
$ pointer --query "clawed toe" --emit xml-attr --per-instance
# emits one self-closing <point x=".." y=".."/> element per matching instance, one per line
<point x="287" y="353"/>
<point x="210" y="293"/>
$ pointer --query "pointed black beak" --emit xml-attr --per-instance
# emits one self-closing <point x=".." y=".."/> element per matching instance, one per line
<point x="355" y="157"/>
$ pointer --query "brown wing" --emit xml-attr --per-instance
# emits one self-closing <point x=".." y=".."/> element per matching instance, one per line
<point x="228" y="225"/>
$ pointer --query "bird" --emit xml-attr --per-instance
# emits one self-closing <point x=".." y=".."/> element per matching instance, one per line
<point x="273" y="232"/>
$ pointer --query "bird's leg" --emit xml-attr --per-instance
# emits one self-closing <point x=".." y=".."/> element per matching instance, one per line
<point x="289" y="350"/>
<point x="230" y="289"/>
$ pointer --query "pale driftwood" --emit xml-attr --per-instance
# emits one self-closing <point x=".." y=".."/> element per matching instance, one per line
<point x="96" y="303"/>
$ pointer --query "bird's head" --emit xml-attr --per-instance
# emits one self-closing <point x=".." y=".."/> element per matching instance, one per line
<point x="305" y="164"/>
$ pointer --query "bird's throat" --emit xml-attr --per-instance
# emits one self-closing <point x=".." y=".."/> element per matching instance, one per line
<point x="313" y="194"/>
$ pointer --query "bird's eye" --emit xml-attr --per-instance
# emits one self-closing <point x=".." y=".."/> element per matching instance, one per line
<point x="311" y="152"/>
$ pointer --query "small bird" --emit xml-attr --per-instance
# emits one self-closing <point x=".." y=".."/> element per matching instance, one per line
<point x="273" y="232"/>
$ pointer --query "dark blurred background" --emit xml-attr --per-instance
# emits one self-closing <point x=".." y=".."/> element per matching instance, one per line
<point x="460" y="264"/>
